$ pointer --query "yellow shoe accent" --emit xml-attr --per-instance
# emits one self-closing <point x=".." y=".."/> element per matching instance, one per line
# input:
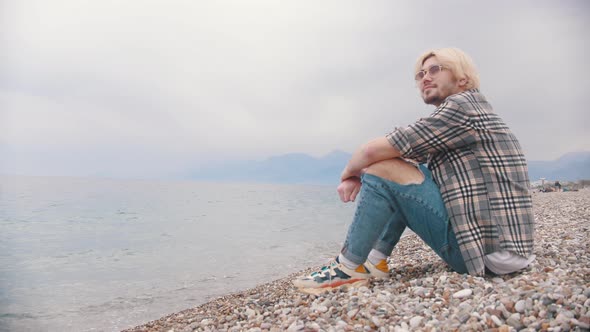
<point x="382" y="266"/>
<point x="381" y="270"/>
<point x="362" y="269"/>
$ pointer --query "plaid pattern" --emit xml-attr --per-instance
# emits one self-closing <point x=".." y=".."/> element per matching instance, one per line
<point x="482" y="174"/>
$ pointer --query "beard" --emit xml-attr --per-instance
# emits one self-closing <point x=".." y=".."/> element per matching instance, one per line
<point x="437" y="95"/>
<point x="433" y="99"/>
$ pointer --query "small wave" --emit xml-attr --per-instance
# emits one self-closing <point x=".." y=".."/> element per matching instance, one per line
<point x="211" y="278"/>
<point x="288" y="229"/>
<point x="73" y="254"/>
<point x="125" y="212"/>
<point x="120" y="303"/>
<point x="18" y="316"/>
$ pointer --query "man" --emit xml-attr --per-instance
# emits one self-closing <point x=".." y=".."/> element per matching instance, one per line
<point x="471" y="205"/>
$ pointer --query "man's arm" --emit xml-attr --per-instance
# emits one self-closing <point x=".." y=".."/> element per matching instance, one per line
<point x="374" y="151"/>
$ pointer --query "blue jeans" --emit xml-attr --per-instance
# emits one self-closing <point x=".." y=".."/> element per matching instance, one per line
<point x="386" y="208"/>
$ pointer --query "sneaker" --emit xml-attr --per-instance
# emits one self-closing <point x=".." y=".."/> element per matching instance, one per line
<point x="380" y="271"/>
<point x="332" y="276"/>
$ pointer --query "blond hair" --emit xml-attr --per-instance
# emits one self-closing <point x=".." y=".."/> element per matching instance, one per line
<point x="455" y="60"/>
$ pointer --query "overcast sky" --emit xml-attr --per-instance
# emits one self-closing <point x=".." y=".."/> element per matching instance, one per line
<point x="155" y="88"/>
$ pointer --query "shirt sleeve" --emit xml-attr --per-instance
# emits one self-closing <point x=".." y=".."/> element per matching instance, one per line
<point x="448" y="128"/>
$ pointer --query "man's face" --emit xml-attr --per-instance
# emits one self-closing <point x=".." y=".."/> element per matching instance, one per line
<point x="435" y="88"/>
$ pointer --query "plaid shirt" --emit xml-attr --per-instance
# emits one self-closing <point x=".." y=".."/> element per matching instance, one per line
<point x="482" y="174"/>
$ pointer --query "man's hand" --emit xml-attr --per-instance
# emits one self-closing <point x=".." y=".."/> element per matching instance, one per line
<point x="348" y="189"/>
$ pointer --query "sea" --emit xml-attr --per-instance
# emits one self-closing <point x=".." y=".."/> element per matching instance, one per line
<point x="91" y="254"/>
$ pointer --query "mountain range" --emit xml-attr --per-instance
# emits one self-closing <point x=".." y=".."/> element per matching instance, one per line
<point x="300" y="168"/>
<point x="571" y="166"/>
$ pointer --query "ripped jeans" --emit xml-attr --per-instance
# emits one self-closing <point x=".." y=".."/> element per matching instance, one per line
<point x="386" y="208"/>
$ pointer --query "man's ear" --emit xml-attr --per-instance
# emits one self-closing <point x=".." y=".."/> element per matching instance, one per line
<point x="463" y="81"/>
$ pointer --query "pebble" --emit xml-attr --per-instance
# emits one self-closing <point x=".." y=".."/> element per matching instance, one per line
<point x="582" y="325"/>
<point x="552" y="294"/>
<point x="561" y="318"/>
<point x="250" y="313"/>
<point x="514" y="321"/>
<point x="496" y="320"/>
<point x="296" y="326"/>
<point x="463" y="293"/>
<point x="312" y="326"/>
<point x="376" y="321"/>
<point x="322" y="308"/>
<point x="416" y="321"/>
<point x="352" y="313"/>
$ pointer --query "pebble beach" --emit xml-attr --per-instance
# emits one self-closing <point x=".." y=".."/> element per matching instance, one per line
<point x="423" y="294"/>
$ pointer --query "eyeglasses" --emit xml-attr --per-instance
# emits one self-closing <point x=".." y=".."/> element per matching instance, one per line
<point x="432" y="71"/>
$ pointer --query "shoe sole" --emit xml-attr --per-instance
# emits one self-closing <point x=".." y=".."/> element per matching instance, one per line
<point x="380" y="275"/>
<point x="320" y="290"/>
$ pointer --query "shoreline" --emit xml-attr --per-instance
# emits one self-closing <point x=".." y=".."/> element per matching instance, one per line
<point x="552" y="294"/>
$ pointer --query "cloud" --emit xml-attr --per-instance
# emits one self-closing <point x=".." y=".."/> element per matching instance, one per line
<point x="182" y="83"/>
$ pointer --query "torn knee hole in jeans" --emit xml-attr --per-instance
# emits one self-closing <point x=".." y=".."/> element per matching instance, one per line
<point x="405" y="179"/>
<point x="413" y="180"/>
<point x="422" y="176"/>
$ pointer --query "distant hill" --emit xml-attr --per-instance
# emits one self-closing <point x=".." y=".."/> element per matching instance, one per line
<point x="301" y="168"/>
<point x="289" y="168"/>
<point x="571" y="166"/>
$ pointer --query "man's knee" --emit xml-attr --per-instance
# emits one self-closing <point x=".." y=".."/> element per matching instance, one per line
<point x="396" y="170"/>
